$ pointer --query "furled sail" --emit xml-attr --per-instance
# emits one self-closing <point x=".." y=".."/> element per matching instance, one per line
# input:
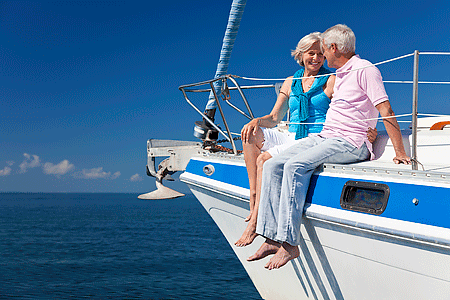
<point x="234" y="20"/>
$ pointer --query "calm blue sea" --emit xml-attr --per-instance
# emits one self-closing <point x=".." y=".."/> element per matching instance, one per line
<point x="114" y="246"/>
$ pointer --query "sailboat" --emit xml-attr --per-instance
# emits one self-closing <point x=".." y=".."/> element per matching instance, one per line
<point x="370" y="230"/>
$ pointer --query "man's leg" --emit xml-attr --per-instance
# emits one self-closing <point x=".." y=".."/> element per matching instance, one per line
<point x="272" y="178"/>
<point x="297" y="174"/>
<point x="271" y="187"/>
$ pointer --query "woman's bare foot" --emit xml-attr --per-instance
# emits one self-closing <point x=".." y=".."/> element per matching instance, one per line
<point x="249" y="217"/>
<point x="267" y="248"/>
<point x="284" y="254"/>
<point x="248" y="236"/>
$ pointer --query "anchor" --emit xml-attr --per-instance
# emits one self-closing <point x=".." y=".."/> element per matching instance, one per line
<point x="179" y="153"/>
<point x="162" y="192"/>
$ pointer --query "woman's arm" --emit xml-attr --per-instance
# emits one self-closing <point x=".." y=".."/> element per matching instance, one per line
<point x="276" y="115"/>
<point x="329" y="86"/>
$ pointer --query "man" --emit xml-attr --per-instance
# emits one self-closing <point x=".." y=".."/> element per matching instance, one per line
<point x="358" y="97"/>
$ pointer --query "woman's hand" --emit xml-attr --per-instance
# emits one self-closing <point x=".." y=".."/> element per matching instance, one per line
<point x="372" y="134"/>
<point x="249" y="129"/>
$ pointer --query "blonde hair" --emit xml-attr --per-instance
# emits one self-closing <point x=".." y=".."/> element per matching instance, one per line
<point x="303" y="45"/>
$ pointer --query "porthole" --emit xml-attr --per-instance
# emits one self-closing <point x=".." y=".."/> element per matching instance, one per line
<point x="208" y="170"/>
<point x="368" y="197"/>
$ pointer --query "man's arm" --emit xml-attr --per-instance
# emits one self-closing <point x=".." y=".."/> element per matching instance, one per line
<point x="394" y="133"/>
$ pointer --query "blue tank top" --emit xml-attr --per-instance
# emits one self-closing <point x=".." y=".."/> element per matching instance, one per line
<point x="317" y="105"/>
<point x="318" y="108"/>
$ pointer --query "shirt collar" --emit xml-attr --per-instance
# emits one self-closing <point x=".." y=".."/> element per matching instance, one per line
<point x="347" y="66"/>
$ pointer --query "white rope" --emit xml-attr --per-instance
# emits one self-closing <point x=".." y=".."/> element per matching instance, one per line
<point x="434" y="53"/>
<point x="379" y="119"/>
<point x="426" y="82"/>
<point x="372" y="65"/>
<point x="369" y="66"/>
<point x="431" y="115"/>
<point x="353" y="121"/>
<point x="233" y="133"/>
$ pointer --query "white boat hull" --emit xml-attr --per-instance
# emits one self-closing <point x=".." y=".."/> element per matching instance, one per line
<point x="343" y="254"/>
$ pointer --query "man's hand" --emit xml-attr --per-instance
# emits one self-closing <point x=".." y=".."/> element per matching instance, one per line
<point x="372" y="134"/>
<point x="404" y="159"/>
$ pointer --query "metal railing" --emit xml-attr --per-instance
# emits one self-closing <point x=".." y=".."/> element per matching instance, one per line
<point x="415" y="99"/>
<point x="226" y="97"/>
<point x="415" y="165"/>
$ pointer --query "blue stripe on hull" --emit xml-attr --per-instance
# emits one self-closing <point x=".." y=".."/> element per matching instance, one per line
<point x="231" y="174"/>
<point x="433" y="207"/>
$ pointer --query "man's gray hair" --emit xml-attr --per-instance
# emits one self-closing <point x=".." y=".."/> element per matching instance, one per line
<point x="342" y="36"/>
<point x="303" y="45"/>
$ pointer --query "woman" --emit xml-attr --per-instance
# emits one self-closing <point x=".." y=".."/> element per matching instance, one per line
<point x="308" y="100"/>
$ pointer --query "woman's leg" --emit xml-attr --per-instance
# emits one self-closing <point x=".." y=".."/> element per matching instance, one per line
<point x="272" y="142"/>
<point x="250" y="232"/>
<point x="252" y="150"/>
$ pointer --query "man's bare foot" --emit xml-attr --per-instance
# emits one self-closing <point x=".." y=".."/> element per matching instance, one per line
<point x="267" y="248"/>
<point x="284" y="254"/>
<point x="248" y="236"/>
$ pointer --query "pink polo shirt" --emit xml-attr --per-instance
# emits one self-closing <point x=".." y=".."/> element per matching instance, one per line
<point x="355" y="96"/>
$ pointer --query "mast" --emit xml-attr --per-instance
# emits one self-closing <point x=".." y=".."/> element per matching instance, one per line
<point x="234" y="20"/>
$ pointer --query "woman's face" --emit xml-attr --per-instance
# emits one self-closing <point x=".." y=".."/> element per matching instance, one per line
<point x="313" y="58"/>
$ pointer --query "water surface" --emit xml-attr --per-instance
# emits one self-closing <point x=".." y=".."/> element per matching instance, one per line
<point x="100" y="246"/>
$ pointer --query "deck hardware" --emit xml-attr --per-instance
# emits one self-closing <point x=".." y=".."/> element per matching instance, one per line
<point x="439" y="125"/>
<point x="208" y="170"/>
<point x="415" y="201"/>
<point x="368" y="197"/>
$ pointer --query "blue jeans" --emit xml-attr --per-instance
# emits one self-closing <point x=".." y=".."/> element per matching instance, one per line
<point x="285" y="182"/>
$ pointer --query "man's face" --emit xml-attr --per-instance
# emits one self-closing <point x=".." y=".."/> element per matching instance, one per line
<point x="329" y="54"/>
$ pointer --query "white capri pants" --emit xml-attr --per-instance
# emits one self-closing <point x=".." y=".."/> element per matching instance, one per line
<point x="276" y="140"/>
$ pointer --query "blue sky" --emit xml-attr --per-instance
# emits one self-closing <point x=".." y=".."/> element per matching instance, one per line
<point x="84" y="84"/>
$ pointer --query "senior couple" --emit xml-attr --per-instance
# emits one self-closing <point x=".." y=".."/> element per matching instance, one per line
<point x="331" y="120"/>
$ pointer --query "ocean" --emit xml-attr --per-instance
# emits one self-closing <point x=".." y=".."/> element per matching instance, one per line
<point x="114" y="246"/>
